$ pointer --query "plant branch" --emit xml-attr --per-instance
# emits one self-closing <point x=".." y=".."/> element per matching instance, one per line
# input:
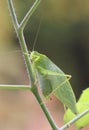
<point x="44" y="108"/>
<point x="20" y="35"/>
<point x="19" y="31"/>
<point x="13" y="15"/>
<point x="29" y="14"/>
<point x="15" y="87"/>
<point x="74" y="120"/>
<point x="26" y="57"/>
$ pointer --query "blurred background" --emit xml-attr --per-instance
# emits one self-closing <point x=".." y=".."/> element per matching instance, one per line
<point x="63" y="36"/>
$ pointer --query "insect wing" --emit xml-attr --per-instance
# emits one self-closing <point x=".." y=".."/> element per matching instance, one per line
<point x="61" y="88"/>
<point x="44" y="84"/>
<point x="50" y="82"/>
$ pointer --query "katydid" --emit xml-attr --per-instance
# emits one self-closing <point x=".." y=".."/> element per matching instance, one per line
<point x="52" y="79"/>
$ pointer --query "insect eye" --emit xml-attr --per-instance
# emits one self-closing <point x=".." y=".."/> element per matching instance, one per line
<point x="34" y="58"/>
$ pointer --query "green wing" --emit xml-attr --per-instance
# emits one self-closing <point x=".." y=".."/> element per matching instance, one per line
<point x="53" y="80"/>
<point x="58" y="84"/>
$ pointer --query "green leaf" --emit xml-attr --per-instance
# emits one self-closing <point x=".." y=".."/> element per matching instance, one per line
<point x="82" y="105"/>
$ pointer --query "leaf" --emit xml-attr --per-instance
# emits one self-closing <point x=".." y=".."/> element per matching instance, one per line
<point x="82" y="105"/>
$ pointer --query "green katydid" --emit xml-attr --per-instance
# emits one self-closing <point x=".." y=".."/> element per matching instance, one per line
<point x="52" y="79"/>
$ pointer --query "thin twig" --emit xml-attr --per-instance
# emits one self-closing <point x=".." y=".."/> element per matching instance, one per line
<point x="13" y="15"/>
<point x="74" y="120"/>
<point x="29" y="14"/>
<point x="15" y="87"/>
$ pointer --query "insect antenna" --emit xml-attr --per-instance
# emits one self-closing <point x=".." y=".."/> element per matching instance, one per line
<point x="37" y="33"/>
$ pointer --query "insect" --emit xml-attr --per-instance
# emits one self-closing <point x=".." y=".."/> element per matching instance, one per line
<point x="52" y="79"/>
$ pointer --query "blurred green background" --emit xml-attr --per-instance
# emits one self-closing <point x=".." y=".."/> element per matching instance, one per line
<point x="63" y="37"/>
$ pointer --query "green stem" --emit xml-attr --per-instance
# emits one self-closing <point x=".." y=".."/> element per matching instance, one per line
<point x="74" y="120"/>
<point x="29" y="14"/>
<point x="15" y="87"/>
<point x="20" y="35"/>
<point x="19" y="31"/>
<point x="44" y="108"/>
<point x="26" y="56"/>
<point x="13" y="15"/>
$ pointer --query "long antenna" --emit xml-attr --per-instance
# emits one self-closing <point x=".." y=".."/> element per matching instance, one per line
<point x="36" y="37"/>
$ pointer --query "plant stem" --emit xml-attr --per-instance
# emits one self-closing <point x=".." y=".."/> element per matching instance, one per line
<point x="74" y="120"/>
<point x="26" y="56"/>
<point x="13" y="15"/>
<point x="20" y="35"/>
<point x="29" y="14"/>
<point x="19" y="31"/>
<point x="15" y="87"/>
<point x="44" y="108"/>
